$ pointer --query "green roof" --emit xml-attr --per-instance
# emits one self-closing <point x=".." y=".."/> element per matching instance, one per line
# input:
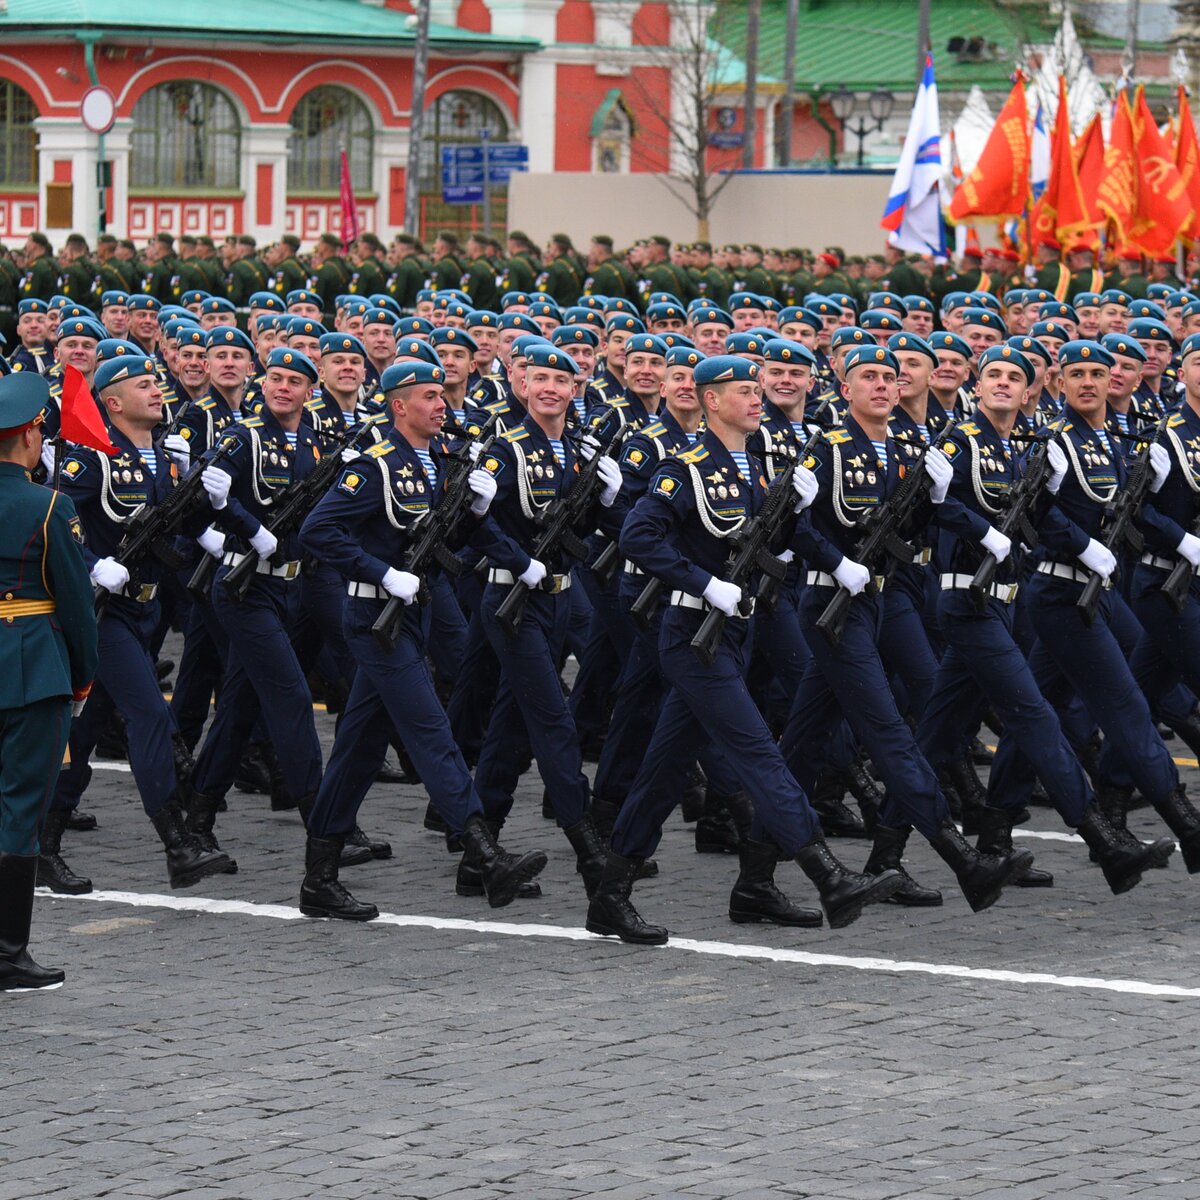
<point x="873" y="43"/>
<point x="283" y="22"/>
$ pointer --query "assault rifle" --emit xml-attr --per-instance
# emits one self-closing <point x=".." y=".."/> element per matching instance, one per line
<point x="881" y="543"/>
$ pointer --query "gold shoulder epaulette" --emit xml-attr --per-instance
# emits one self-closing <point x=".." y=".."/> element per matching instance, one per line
<point x="380" y="449"/>
<point x="1175" y="420"/>
<point x="515" y="435"/>
<point x="693" y="454"/>
<point x="836" y="437"/>
<point x="970" y="429"/>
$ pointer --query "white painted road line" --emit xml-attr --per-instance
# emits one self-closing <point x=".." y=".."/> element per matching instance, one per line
<point x="281" y="912"/>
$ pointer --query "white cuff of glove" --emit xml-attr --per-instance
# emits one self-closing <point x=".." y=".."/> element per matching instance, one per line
<point x="723" y="596"/>
<point x="402" y="584"/>
<point x="533" y="574"/>
<point x="212" y="541"/>
<point x="996" y="544"/>
<point x="264" y="542"/>
<point x="1058" y="468"/>
<point x="1160" y="465"/>
<point x="1098" y="559"/>
<point x="1189" y="548"/>
<point x="853" y="576"/>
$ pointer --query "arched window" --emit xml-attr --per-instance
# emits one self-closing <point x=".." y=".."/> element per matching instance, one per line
<point x="18" y="138"/>
<point x="326" y="121"/>
<point x="611" y="132"/>
<point x="457" y="117"/>
<point x="185" y="135"/>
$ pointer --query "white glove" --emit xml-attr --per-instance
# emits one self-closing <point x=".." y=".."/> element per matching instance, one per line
<point x="1058" y="468"/>
<point x="474" y="450"/>
<point x="483" y="484"/>
<point x="176" y="445"/>
<point x="48" y="457"/>
<point x="1160" y="465"/>
<point x="109" y="574"/>
<point x="997" y="544"/>
<point x="217" y="484"/>
<point x="265" y="542"/>
<point x="853" y="576"/>
<point x="212" y="541"/>
<point x="804" y="484"/>
<point x="1189" y="548"/>
<point x="1098" y="559"/>
<point x="610" y="476"/>
<point x="723" y="596"/>
<point x="348" y="454"/>
<point x="77" y="707"/>
<point x="533" y="574"/>
<point x="940" y="472"/>
<point x="786" y="557"/>
<point x="589" y="447"/>
<point x="401" y="584"/>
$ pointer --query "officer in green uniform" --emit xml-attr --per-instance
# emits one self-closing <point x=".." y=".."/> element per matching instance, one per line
<point x="332" y="273"/>
<point x="709" y="282"/>
<point x="657" y="274"/>
<point x="210" y="264"/>
<point x="799" y="280"/>
<point x="1128" y="275"/>
<point x="603" y="278"/>
<point x="191" y="274"/>
<point x="408" y="276"/>
<point x="40" y="281"/>
<point x="367" y="279"/>
<point x="522" y="265"/>
<point x="75" y="280"/>
<point x="560" y="279"/>
<point x="247" y="274"/>
<point x="10" y="278"/>
<point x="289" y="273"/>
<point x="162" y="280"/>
<point x="479" y="280"/>
<point x="125" y="260"/>
<point x="447" y="270"/>
<point x="49" y="654"/>
<point x="1052" y="274"/>
<point x="900" y="276"/>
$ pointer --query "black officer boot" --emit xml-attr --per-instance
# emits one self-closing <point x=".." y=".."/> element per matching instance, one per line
<point x="886" y="855"/>
<point x="995" y="837"/>
<point x="866" y="792"/>
<point x="981" y="876"/>
<point x="971" y="792"/>
<point x="187" y="860"/>
<point x="321" y="895"/>
<point x="1120" y="855"/>
<point x="201" y="822"/>
<point x="18" y="972"/>
<point x="281" y="799"/>
<point x="1089" y="756"/>
<point x="589" y="852"/>
<point x="604" y="817"/>
<point x="351" y="855"/>
<point x="433" y="820"/>
<point x="1184" y="822"/>
<point x="79" y="821"/>
<point x="716" y="829"/>
<point x="977" y="752"/>
<point x="52" y="871"/>
<point x="376" y="847"/>
<point x="844" y="892"/>
<point x="548" y="813"/>
<point x="828" y="799"/>
<point x="251" y="774"/>
<point x="756" y="898"/>
<point x="691" y="804"/>
<point x="468" y="881"/>
<point x="610" y="910"/>
<point x="184" y="763"/>
<point x="501" y="874"/>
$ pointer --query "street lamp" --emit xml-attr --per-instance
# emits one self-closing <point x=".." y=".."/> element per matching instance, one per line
<point x="879" y="104"/>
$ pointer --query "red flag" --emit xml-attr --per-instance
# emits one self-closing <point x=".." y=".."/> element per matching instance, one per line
<point x="1164" y="208"/>
<point x="999" y="184"/>
<point x="350" y="229"/>
<point x="1117" y="193"/>
<point x="1089" y="166"/>
<point x="1187" y="161"/>
<point x="81" y="419"/>
<point x="1060" y="212"/>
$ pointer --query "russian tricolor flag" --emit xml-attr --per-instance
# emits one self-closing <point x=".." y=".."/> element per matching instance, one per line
<point x="914" y="207"/>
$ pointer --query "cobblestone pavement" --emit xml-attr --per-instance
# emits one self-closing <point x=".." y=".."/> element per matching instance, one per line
<point x="246" y="1054"/>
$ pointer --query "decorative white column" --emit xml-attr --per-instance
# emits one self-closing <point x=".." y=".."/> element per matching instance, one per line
<point x="391" y="150"/>
<point x="264" y="145"/>
<point x="116" y="149"/>
<point x="68" y="141"/>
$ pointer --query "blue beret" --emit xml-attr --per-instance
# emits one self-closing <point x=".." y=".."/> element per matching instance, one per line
<point x="822" y="306"/>
<point x="268" y="300"/>
<point x="672" y="338"/>
<point x="274" y="322"/>
<point x="22" y="398"/>
<point x="1084" y="351"/>
<point x="1174" y="300"/>
<point x="379" y="316"/>
<point x="1086" y="300"/>
<point x="624" y="323"/>
<point x="1050" y="329"/>
<point x="1158" y="291"/>
<point x="453" y="307"/>
<point x="1147" y="329"/>
<point x="684" y="356"/>
<point x="1115" y="296"/>
<point x="32" y="306"/>
<point x="192" y="335"/>
<point x="116" y="348"/>
<point x="581" y="314"/>
<point x="741" y="300"/>
<point x="412" y="326"/>
<point x="292" y="360"/>
<point x="985" y="300"/>
<point x="575" y="335"/>
<point x="413" y="347"/>
<point x="873" y="356"/>
<point x="780" y="350"/>
<point x="952" y="301"/>
<point x="356" y="308"/>
<point x="850" y="335"/>
<point x="302" y="296"/>
<point x="383" y="300"/>
<point x="1191" y="308"/>
<point x="411" y="373"/>
<point x="229" y="335"/>
<point x="1191" y="344"/>
<point x="143" y="303"/>
<point x="217" y="304"/>
<point x="1037" y="295"/>
<point x="304" y="327"/>
<point x="880" y="319"/>
<point x="745" y="342"/>
<point x="114" y="299"/>
<point x="521" y="344"/>
<point x="646" y="343"/>
<point x="664" y="298"/>
<point x="1007" y="354"/>
<point x="664" y="310"/>
<point x="122" y="367"/>
<point x="451" y="335"/>
<point x="348" y="298"/>
<point x="919" y="304"/>
<point x="912" y="344"/>
<point x="82" y="327"/>
<point x="711" y="315"/>
<point x="1124" y="344"/>
<point x="1056" y="310"/>
<point x="58" y="300"/>
<point x="945" y="340"/>
<point x="844" y="300"/>
<point x="511" y="298"/>
<point x="174" y="326"/>
<point x="792" y="315"/>
<point x="545" y="308"/>
<point x="516" y="320"/>
<point x="194" y="296"/>
<point x="888" y="300"/>
<point x="543" y="354"/>
<point x="985" y="318"/>
<point x="618" y="304"/>
<point x="1147" y="308"/>
<point x="169" y="311"/>
<point x="1014" y="296"/>
<point x="342" y="343"/>
<point x="1030" y="346"/>
<point x="725" y="368"/>
<point x="483" y="318"/>
<point x="594" y="302"/>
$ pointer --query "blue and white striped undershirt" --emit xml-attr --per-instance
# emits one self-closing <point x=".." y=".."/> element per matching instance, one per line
<point x="1122" y="421"/>
<point x="560" y="455"/>
<point x="1102" y="438"/>
<point x="580" y="407"/>
<point x="427" y="462"/>
<point x="742" y="461"/>
<point x="291" y="439"/>
<point x="881" y="452"/>
<point x="150" y="458"/>
<point x="923" y="430"/>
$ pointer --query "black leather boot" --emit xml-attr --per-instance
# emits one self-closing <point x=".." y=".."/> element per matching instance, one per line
<point x="971" y="792"/>
<point x="201" y="823"/>
<point x="886" y="855"/>
<point x="981" y="876"/>
<point x="844" y="892"/>
<point x="1184" y="822"/>
<point x="351" y="855"/>
<point x="375" y="847"/>
<point x="589" y="852"/>
<point x="691" y="804"/>
<point x="184" y="762"/>
<point x="979" y="753"/>
<point x="501" y="874"/>
<point x="716" y="829"/>
<point x="867" y="794"/>
<point x="79" y="821"/>
<point x="281" y="799"/>
<point x="604" y="817"/>
<point x="52" y="871"/>
<point x="18" y="972"/>
<point x="433" y="820"/>
<point x="548" y="813"/>
<point x="610" y="910"/>
<point x="756" y="898"/>
<point x="252" y="774"/>
<point x="468" y="880"/>
<point x="187" y="860"/>
<point x="995" y="837"/>
<point x="828" y="799"/>
<point x="321" y="895"/>
<point x="1120" y="855"/>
